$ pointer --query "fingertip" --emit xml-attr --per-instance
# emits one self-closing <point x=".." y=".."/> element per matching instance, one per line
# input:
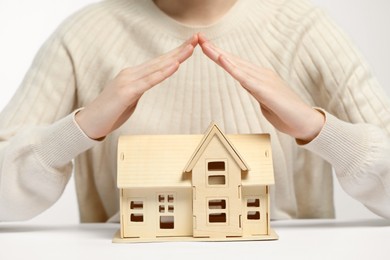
<point x="195" y="40"/>
<point x="202" y="37"/>
<point x="190" y="48"/>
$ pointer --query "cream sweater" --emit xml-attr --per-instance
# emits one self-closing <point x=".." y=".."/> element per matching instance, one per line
<point x="39" y="137"/>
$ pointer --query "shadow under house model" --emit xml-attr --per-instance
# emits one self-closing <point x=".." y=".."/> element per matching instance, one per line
<point x="208" y="187"/>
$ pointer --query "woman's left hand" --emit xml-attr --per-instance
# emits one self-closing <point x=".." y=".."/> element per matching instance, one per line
<point x="284" y="109"/>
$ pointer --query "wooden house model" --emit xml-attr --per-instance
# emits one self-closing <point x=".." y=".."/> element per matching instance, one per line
<point x="194" y="187"/>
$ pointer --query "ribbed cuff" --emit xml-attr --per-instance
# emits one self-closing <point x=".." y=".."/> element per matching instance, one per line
<point x="62" y="141"/>
<point x="342" y="144"/>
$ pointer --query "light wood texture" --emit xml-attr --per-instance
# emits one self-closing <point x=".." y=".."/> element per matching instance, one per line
<point x="218" y="196"/>
<point x="117" y="239"/>
<point x="159" y="160"/>
<point x="210" y="134"/>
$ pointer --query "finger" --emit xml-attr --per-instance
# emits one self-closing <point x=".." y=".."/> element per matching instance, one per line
<point x="237" y="60"/>
<point x="174" y="54"/>
<point x="158" y="64"/>
<point x="246" y="73"/>
<point x="181" y="53"/>
<point x="210" y="52"/>
<point x="248" y="70"/>
<point x="202" y="38"/>
<point x="193" y="41"/>
<point x="235" y="71"/>
<point x="211" y="48"/>
<point x="156" y="77"/>
<point x="249" y="82"/>
<point x="161" y="61"/>
<point x="215" y="55"/>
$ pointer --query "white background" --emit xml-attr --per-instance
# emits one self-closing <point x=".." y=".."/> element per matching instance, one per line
<point x="25" y="24"/>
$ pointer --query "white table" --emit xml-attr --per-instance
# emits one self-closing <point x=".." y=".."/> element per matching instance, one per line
<point x="299" y="239"/>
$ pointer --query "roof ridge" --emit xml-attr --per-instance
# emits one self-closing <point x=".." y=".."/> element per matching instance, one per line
<point x="211" y="131"/>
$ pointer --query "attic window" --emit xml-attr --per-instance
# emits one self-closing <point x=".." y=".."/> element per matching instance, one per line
<point x="216" y="166"/>
<point x="217" y="180"/>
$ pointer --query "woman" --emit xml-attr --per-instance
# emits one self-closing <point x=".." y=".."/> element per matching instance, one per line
<point x="293" y="75"/>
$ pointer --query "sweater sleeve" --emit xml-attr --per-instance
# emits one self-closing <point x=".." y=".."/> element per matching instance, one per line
<point x="39" y="136"/>
<point x="356" y="135"/>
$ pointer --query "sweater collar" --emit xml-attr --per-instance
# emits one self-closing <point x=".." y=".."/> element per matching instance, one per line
<point x="163" y="23"/>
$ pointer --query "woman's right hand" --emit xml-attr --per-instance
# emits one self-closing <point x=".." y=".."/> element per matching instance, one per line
<point x="117" y="102"/>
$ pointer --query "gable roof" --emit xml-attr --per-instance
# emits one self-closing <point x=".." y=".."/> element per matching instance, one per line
<point x="212" y="131"/>
<point x="146" y="161"/>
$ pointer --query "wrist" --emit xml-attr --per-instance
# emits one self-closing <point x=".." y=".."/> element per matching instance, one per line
<point x="82" y="123"/>
<point x="316" y="123"/>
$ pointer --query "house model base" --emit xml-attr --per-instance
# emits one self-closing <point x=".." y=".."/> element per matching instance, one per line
<point x="117" y="238"/>
<point x="211" y="187"/>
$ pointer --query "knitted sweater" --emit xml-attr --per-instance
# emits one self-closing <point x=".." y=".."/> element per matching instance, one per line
<point x="39" y="137"/>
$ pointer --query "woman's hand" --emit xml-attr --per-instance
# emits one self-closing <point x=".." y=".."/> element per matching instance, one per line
<point x="279" y="104"/>
<point x="119" y="98"/>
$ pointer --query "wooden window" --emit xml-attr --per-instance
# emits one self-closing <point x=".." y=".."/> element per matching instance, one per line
<point x="136" y="211"/>
<point x="217" y="218"/>
<point x="216" y="172"/>
<point x="216" y="166"/>
<point x="161" y="198"/>
<point x="166" y="210"/>
<point x="253" y="215"/>
<point x="253" y="208"/>
<point x="217" y="204"/>
<point x="167" y="222"/>
<point x="217" y="210"/>
<point x="253" y="203"/>
<point x="137" y="217"/>
<point x="217" y="180"/>
<point x="136" y="205"/>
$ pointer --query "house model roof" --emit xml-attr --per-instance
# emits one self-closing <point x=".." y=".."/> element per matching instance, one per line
<point x="167" y="160"/>
<point x="212" y="132"/>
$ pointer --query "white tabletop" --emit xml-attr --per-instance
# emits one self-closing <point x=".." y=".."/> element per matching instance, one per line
<point x="298" y="239"/>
